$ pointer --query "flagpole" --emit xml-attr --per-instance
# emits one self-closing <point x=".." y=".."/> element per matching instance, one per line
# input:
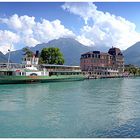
<point x="9" y="56"/>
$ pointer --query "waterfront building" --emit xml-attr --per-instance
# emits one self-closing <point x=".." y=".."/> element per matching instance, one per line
<point x="101" y="64"/>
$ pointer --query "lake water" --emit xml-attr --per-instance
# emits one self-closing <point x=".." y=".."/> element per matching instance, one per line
<point x="90" y="108"/>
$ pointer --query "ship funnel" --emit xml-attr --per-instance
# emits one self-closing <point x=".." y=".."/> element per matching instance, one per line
<point x="37" y="54"/>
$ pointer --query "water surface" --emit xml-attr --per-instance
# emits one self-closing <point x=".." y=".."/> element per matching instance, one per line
<point x="90" y="108"/>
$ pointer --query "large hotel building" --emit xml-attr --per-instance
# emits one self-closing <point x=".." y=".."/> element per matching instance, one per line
<point x="96" y="63"/>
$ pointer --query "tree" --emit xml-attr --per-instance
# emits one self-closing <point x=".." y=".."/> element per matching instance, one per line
<point x="51" y="55"/>
<point x="27" y="52"/>
<point x="132" y="69"/>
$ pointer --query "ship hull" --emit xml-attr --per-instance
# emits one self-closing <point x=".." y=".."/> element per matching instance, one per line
<point x="39" y="79"/>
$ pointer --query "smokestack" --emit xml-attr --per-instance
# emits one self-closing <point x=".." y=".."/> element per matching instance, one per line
<point x="37" y="54"/>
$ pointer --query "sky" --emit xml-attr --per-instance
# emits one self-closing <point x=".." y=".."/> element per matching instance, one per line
<point x="92" y="24"/>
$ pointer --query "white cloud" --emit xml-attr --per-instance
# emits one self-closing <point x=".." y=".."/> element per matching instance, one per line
<point x="107" y="29"/>
<point x="19" y="23"/>
<point x="29" y="41"/>
<point x="85" y="41"/>
<point x="7" y="39"/>
<point x="31" y="32"/>
<point x="84" y="9"/>
<point x="46" y="30"/>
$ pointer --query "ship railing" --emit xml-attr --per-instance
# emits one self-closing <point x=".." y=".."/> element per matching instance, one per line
<point x="11" y="66"/>
<point x="63" y="70"/>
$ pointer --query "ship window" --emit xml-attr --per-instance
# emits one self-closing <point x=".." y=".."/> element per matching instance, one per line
<point x="9" y="73"/>
<point x="2" y="73"/>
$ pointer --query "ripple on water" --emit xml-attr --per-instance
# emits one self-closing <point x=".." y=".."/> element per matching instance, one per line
<point x="90" y="108"/>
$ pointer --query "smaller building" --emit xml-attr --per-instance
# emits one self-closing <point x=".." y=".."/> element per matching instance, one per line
<point x="101" y="64"/>
<point x="33" y="60"/>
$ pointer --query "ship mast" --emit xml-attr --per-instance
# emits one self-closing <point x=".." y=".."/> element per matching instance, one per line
<point x="9" y="50"/>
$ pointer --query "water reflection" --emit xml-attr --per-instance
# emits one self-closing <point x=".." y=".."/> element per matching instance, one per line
<point x="128" y="106"/>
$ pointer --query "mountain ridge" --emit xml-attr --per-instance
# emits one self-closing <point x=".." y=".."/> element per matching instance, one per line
<point x="132" y="54"/>
<point x="3" y="58"/>
<point x="71" y="49"/>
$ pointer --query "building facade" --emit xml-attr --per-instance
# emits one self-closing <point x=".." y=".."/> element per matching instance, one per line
<point x="32" y="60"/>
<point x="96" y="63"/>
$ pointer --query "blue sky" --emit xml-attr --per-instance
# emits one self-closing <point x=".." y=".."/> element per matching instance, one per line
<point x="52" y="11"/>
<point x="128" y="10"/>
<point x="78" y="20"/>
<point x="47" y="10"/>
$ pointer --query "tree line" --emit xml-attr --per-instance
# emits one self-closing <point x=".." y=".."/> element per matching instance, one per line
<point x="132" y="70"/>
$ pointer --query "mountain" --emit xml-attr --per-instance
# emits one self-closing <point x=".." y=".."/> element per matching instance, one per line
<point x="70" y="48"/>
<point x="72" y="51"/>
<point x="101" y="48"/>
<point x="132" y="54"/>
<point x="3" y="58"/>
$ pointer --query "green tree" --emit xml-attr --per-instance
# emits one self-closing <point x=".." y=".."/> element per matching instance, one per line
<point x="132" y="69"/>
<point x="51" y="55"/>
<point x="139" y="71"/>
<point x="27" y="52"/>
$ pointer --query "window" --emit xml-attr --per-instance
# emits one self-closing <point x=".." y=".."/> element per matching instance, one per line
<point x="95" y="55"/>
